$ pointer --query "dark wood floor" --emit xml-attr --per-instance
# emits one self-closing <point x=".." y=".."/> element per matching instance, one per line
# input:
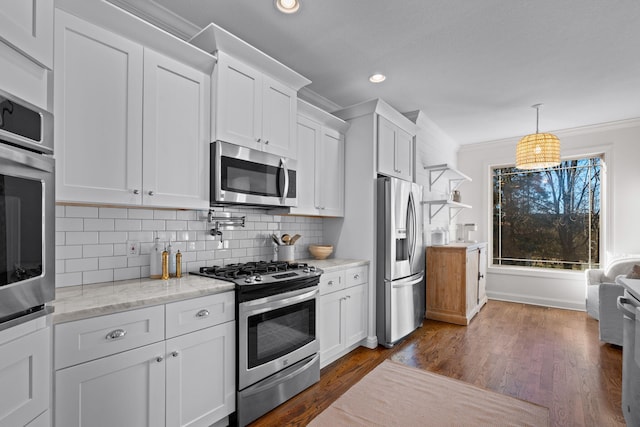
<point x="547" y="356"/>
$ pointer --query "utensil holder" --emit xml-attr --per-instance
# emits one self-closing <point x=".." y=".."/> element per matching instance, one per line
<point x="285" y="253"/>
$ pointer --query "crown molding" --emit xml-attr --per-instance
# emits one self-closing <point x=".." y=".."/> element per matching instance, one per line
<point x="580" y="130"/>
<point x="159" y="16"/>
<point x="318" y="100"/>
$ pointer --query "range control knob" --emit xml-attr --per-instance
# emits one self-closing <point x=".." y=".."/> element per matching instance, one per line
<point x="258" y="278"/>
<point x="248" y="279"/>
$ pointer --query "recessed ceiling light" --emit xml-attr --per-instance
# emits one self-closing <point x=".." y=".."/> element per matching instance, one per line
<point x="288" y="6"/>
<point x="377" y="78"/>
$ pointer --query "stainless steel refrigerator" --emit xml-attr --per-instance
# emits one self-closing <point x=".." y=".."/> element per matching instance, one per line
<point x="400" y="287"/>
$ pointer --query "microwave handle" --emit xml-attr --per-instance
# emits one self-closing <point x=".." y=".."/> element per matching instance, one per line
<point x="283" y="166"/>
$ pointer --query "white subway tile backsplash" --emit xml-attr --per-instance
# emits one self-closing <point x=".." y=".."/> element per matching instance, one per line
<point x="81" y="212"/>
<point x="92" y="241"/>
<point x="97" y="276"/>
<point x="128" y="225"/>
<point x="81" y="237"/>
<point x="81" y="264"/>
<point x="102" y="224"/>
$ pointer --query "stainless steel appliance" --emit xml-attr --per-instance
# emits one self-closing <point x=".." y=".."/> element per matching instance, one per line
<point x="400" y="287"/>
<point x="240" y="175"/>
<point x="629" y="305"/>
<point x="276" y="306"/>
<point x="27" y="211"/>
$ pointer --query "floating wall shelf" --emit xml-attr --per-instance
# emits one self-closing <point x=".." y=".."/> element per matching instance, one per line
<point x="444" y="171"/>
<point x="435" y="206"/>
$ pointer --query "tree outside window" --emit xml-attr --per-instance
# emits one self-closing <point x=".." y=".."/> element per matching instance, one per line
<point x="548" y="218"/>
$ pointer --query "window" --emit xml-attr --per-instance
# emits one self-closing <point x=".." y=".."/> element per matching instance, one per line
<point x="548" y="218"/>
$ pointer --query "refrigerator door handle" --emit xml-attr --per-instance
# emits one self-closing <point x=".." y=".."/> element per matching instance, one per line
<point x="411" y="224"/>
<point x="408" y="281"/>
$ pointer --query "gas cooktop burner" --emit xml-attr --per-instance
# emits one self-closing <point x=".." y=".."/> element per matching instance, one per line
<point x="259" y="272"/>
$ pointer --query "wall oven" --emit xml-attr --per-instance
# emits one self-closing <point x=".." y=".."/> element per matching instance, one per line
<point x="27" y="211"/>
<point x="241" y="175"/>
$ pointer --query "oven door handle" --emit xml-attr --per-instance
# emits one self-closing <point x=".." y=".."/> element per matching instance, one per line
<point x="622" y="302"/>
<point x="267" y="304"/>
<point x="275" y="380"/>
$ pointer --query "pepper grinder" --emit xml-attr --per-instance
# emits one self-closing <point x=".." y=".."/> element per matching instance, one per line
<point x="165" y="264"/>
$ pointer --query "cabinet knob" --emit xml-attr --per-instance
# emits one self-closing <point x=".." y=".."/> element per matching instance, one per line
<point x="330" y="283"/>
<point x="151" y="193"/>
<point x="174" y="354"/>
<point x="159" y="359"/>
<point x="259" y="140"/>
<point x="136" y="191"/>
<point x="266" y="142"/>
<point x="202" y="313"/>
<point x="116" y="334"/>
<point x="356" y="276"/>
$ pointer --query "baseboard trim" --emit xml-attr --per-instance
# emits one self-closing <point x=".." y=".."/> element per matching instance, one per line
<point x="533" y="300"/>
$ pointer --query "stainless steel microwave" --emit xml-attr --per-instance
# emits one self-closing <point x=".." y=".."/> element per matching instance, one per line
<point x="243" y="176"/>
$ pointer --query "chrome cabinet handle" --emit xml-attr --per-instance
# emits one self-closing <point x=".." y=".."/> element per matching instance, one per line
<point x="136" y="191"/>
<point x="330" y="283"/>
<point x="174" y="354"/>
<point x="159" y="359"/>
<point x="266" y="142"/>
<point x="116" y="334"/>
<point x="356" y="276"/>
<point x="258" y="140"/>
<point x="202" y="314"/>
<point x="151" y="193"/>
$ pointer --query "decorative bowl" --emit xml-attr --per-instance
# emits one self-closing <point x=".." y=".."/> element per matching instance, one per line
<point x="320" y="251"/>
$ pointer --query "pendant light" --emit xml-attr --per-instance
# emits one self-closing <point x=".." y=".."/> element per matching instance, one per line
<point x="538" y="150"/>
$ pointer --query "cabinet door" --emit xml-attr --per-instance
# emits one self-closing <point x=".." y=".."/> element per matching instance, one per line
<point x="386" y="147"/>
<point x="482" y="277"/>
<point x="201" y="376"/>
<point x="126" y="389"/>
<point x="239" y="102"/>
<point x="25" y="375"/>
<point x="355" y="315"/>
<point x="472" y="280"/>
<point x="331" y="332"/>
<point x="279" y="110"/>
<point x="28" y="26"/>
<point x="176" y="134"/>
<point x="308" y="135"/>
<point x="97" y="113"/>
<point x="330" y="173"/>
<point x="404" y="155"/>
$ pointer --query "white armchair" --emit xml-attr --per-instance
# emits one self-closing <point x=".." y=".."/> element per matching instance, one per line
<point x="602" y="293"/>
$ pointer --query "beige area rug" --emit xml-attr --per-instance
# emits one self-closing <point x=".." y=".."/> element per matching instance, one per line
<point x="398" y="395"/>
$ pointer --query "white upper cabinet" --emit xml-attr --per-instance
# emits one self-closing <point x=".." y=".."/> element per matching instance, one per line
<point x="175" y="134"/>
<point x="255" y="96"/>
<point x="27" y="25"/>
<point x="320" y="172"/>
<point x="131" y="125"/>
<point x="97" y="113"/>
<point x="395" y="150"/>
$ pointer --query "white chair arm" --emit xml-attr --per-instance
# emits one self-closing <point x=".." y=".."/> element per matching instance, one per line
<point x="594" y="276"/>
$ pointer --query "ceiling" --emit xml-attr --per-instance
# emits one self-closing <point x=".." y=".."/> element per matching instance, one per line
<point x="474" y="67"/>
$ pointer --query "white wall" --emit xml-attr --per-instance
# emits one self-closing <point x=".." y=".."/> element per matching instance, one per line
<point x="620" y="143"/>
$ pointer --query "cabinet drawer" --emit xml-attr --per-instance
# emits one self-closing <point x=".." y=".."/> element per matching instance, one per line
<point x="330" y="282"/>
<point x="357" y="275"/>
<point x="198" y="313"/>
<point x="88" y="339"/>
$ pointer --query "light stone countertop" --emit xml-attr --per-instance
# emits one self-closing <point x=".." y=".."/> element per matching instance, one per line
<point x="84" y="301"/>
<point x="333" y="264"/>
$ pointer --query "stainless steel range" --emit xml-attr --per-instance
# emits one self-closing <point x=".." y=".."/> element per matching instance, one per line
<point x="277" y="344"/>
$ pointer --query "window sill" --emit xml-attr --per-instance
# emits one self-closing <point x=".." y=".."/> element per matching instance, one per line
<point x="535" y="272"/>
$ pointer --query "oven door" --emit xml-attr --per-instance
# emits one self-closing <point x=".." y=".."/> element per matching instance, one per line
<point x="241" y="175"/>
<point x="275" y="332"/>
<point x="27" y="218"/>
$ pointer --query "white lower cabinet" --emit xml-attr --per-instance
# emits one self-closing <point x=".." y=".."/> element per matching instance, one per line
<point x="185" y="380"/>
<point x="342" y="313"/>
<point x="25" y="374"/>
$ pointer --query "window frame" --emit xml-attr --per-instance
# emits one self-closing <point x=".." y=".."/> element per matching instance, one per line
<point x="605" y="152"/>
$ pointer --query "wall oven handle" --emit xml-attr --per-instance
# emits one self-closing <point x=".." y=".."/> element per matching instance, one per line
<point x="271" y="303"/>
<point x="285" y="191"/>
<point x="622" y="302"/>
<point x="269" y="384"/>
